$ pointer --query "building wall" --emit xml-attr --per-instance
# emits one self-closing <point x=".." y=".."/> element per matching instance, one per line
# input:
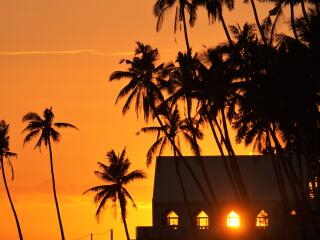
<point x="217" y="220"/>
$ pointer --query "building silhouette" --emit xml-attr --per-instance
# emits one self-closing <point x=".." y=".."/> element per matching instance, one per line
<point x="231" y="219"/>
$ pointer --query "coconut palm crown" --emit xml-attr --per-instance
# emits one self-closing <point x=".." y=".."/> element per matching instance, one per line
<point x="45" y="127"/>
<point x="116" y="175"/>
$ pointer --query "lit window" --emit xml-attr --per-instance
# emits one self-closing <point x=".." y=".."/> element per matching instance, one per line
<point x="262" y="219"/>
<point x="313" y="186"/>
<point x="233" y="220"/>
<point x="293" y="212"/>
<point x="172" y="220"/>
<point x="202" y="220"/>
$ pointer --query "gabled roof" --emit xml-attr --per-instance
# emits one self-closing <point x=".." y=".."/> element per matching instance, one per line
<point x="257" y="172"/>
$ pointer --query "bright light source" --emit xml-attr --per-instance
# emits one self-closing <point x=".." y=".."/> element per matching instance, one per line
<point x="293" y="212"/>
<point x="233" y="220"/>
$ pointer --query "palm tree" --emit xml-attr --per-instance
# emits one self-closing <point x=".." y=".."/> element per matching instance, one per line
<point x="143" y="75"/>
<point x="116" y="177"/>
<point x="6" y="154"/>
<point x="161" y="7"/>
<point x="185" y="84"/>
<point x="144" y="82"/>
<point x="278" y="10"/>
<point x="214" y="9"/>
<point x="177" y="128"/>
<point x="217" y="88"/>
<point x="45" y="127"/>
<point x="261" y="30"/>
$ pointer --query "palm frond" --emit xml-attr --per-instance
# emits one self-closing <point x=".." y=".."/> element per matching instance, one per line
<point x="30" y="136"/>
<point x="32" y="116"/>
<point x="65" y="125"/>
<point x="118" y="75"/>
<point x="127" y="194"/>
<point x="55" y="135"/>
<point x="134" y="175"/>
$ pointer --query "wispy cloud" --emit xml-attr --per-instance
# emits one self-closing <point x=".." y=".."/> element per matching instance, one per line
<point x="114" y="53"/>
<point x="65" y="52"/>
<point x="55" y="52"/>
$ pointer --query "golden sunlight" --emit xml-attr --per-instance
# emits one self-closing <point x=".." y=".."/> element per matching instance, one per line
<point x="233" y="220"/>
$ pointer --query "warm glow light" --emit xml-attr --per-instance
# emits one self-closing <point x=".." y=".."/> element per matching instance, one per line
<point x="202" y="220"/>
<point x="233" y="220"/>
<point x="172" y="220"/>
<point x="293" y="212"/>
<point x="262" y="219"/>
<point x="313" y="186"/>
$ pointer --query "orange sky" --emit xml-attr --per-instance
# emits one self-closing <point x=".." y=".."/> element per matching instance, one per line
<point x="60" y="53"/>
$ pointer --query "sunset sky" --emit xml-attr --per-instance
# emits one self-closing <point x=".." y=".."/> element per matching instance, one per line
<point x="60" y="53"/>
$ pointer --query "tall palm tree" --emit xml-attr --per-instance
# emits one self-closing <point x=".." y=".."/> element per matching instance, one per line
<point x="177" y="128"/>
<point x="185" y="83"/>
<point x="6" y="154"/>
<point x="278" y="10"/>
<point x="216" y="90"/>
<point x="144" y="82"/>
<point x="116" y="177"/>
<point x="256" y="17"/>
<point x="45" y="127"/>
<point x="214" y="9"/>
<point x="161" y="7"/>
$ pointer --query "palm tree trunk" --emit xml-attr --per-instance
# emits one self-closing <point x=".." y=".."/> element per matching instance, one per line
<point x="233" y="162"/>
<point x="225" y="28"/>
<point x="124" y="221"/>
<point x="317" y="6"/>
<point x="185" y="162"/>
<point x="184" y="194"/>
<point x="258" y="23"/>
<point x="305" y="15"/>
<point x="10" y="200"/>
<point x="224" y="159"/>
<point x="229" y="149"/>
<point x="273" y="28"/>
<point x="54" y="191"/>
<point x="198" y="158"/>
<point x="293" y="26"/>
<point x="287" y="169"/>
<point x="185" y="31"/>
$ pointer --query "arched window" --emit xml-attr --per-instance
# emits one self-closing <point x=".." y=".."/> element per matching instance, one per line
<point x="233" y="220"/>
<point x="172" y="220"/>
<point x="202" y="220"/>
<point x="262" y="219"/>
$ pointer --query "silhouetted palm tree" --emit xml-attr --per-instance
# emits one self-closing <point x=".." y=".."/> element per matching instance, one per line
<point x="261" y="30"/>
<point x="214" y="9"/>
<point x="178" y="129"/>
<point x="143" y="75"/>
<point x="116" y="177"/>
<point x="161" y="7"/>
<point x="278" y="10"/>
<point x="144" y="82"/>
<point x="217" y="89"/>
<point x="45" y="127"/>
<point x="6" y="154"/>
<point x="185" y="84"/>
